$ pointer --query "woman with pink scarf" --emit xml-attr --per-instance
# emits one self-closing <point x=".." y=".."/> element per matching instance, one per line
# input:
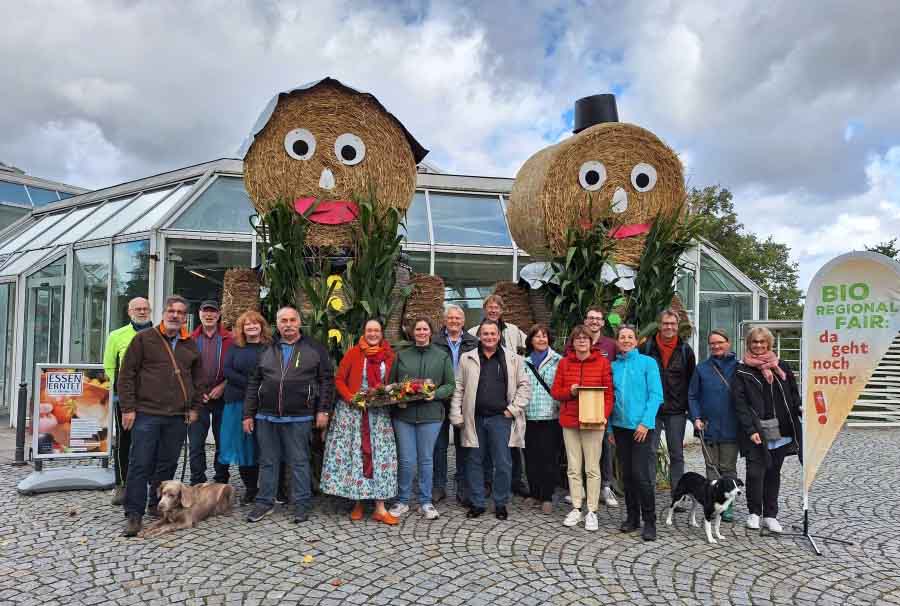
<point x="767" y="403"/>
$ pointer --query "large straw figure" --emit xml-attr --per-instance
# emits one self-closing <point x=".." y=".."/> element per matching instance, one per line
<point x="328" y="142"/>
<point x="607" y="171"/>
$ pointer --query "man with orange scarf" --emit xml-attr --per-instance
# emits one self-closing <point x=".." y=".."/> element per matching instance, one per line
<point x="676" y="362"/>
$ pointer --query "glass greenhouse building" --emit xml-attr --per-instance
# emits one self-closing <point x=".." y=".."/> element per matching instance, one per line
<point x="69" y="268"/>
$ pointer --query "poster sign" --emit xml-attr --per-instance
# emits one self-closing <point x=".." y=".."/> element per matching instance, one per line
<point x="850" y="319"/>
<point x="71" y="416"/>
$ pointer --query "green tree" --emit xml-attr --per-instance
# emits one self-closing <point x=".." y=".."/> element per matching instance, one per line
<point x="766" y="262"/>
<point x="887" y="248"/>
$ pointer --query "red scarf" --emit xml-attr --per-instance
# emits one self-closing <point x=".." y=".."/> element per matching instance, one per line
<point x="375" y="355"/>
<point x="766" y="363"/>
<point x="666" y="348"/>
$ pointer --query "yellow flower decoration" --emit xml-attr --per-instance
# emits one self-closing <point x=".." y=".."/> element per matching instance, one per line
<point x="336" y="303"/>
<point x="336" y="280"/>
<point x="335" y="334"/>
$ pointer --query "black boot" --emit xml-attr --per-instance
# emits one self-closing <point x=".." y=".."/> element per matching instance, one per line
<point x="649" y="531"/>
<point x="630" y="524"/>
<point x="133" y="525"/>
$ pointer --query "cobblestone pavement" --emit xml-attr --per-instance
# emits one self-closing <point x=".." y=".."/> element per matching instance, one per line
<point x="66" y="548"/>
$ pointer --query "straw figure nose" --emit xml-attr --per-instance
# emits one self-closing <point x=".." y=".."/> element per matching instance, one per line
<point x="620" y="200"/>
<point x="326" y="180"/>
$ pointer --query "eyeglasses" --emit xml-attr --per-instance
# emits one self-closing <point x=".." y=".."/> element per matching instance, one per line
<point x="593" y="319"/>
<point x="766" y="341"/>
<point x="716" y="343"/>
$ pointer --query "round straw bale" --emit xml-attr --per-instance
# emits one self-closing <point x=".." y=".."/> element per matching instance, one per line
<point x="393" y="329"/>
<point x="548" y="197"/>
<point x="328" y="111"/>
<point x="540" y="308"/>
<point x="426" y="299"/>
<point x="240" y="293"/>
<point x="516" y="305"/>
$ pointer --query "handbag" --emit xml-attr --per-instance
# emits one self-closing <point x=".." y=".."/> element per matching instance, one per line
<point x="768" y="428"/>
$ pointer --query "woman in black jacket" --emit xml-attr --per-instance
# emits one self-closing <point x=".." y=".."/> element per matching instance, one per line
<point x="764" y="389"/>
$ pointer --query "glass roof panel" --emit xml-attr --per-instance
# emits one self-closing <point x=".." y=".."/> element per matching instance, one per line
<point x="224" y="206"/>
<point x="100" y="214"/>
<point x="9" y="214"/>
<point x="115" y="224"/>
<point x="13" y="192"/>
<point x="417" y="220"/>
<point x="59" y="230"/>
<point x="46" y="222"/>
<point x="144" y="204"/>
<point x="42" y="197"/>
<point x="147" y="222"/>
<point x="468" y="220"/>
<point x="25" y="260"/>
<point x="714" y="277"/>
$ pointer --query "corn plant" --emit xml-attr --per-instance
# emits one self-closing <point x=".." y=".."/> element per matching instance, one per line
<point x="370" y="276"/>
<point x="577" y="277"/>
<point x="670" y="236"/>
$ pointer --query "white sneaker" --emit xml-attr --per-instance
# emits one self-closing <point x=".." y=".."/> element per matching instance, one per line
<point x="753" y="521"/>
<point x="590" y="521"/>
<point x="573" y="518"/>
<point x="773" y="525"/>
<point x="609" y="497"/>
<point x="399" y="509"/>
<point x="429" y="511"/>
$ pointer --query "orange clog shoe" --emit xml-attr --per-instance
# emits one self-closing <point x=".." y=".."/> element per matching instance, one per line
<point x="385" y="518"/>
<point x="357" y="514"/>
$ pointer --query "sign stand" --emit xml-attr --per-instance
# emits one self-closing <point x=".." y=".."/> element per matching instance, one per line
<point x="71" y="419"/>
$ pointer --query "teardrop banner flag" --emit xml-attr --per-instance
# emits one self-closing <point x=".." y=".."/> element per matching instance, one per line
<point x="850" y="319"/>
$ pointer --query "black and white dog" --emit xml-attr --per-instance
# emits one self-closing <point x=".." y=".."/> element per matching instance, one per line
<point x="715" y="497"/>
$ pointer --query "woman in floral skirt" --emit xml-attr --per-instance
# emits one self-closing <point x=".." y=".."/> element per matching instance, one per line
<point x="360" y="452"/>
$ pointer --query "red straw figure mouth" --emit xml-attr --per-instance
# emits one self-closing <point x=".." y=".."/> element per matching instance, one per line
<point x="328" y="212"/>
<point x="630" y="230"/>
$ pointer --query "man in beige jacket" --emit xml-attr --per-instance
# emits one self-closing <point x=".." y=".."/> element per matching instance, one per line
<point x="492" y="391"/>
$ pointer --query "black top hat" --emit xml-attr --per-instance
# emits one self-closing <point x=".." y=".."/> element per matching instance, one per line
<point x="595" y="109"/>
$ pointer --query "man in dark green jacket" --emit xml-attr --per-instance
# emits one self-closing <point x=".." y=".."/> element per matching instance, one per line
<point x="416" y="425"/>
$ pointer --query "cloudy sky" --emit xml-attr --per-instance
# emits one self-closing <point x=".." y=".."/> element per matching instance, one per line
<point x="793" y="107"/>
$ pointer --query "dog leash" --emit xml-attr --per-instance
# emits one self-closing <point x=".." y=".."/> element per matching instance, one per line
<point x="707" y="455"/>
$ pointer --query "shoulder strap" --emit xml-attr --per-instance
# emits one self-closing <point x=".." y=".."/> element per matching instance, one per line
<point x="538" y="376"/>
<point x="174" y="366"/>
<point x="721" y="376"/>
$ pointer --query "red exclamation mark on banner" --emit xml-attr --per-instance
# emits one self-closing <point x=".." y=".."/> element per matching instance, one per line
<point x="821" y="407"/>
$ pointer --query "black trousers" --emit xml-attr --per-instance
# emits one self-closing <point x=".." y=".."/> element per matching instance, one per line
<point x="209" y="415"/>
<point x="122" y="447"/>
<point x="542" y="446"/>
<point x="764" y="483"/>
<point x="640" y="486"/>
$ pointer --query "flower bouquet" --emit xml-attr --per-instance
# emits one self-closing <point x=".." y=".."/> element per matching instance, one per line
<point x="410" y="390"/>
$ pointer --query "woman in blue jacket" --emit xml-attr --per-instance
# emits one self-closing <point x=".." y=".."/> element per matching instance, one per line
<point x="638" y="396"/>
<point x="712" y="411"/>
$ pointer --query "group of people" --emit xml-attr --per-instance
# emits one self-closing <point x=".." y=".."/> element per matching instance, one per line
<point x="510" y="401"/>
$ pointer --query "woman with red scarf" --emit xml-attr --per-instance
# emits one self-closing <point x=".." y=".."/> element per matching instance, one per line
<point x="360" y="452"/>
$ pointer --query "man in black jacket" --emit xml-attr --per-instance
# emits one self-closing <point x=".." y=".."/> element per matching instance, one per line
<point x="453" y="338"/>
<point x="292" y="388"/>
<point x="676" y="362"/>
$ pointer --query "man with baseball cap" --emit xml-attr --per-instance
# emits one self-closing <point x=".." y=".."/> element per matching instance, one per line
<point x="213" y="341"/>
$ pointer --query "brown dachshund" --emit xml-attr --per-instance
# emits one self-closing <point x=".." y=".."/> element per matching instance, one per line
<point x="183" y="506"/>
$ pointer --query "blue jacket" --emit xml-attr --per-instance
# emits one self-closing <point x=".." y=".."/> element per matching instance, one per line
<point x="638" y="388"/>
<point x="240" y="362"/>
<point x="709" y="399"/>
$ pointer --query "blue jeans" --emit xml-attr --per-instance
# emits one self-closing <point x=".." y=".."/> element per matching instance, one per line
<point x="156" y="442"/>
<point x="493" y="437"/>
<point x="441" y="446"/>
<point x="415" y="448"/>
<point x="288" y="442"/>
<point x="210" y="414"/>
